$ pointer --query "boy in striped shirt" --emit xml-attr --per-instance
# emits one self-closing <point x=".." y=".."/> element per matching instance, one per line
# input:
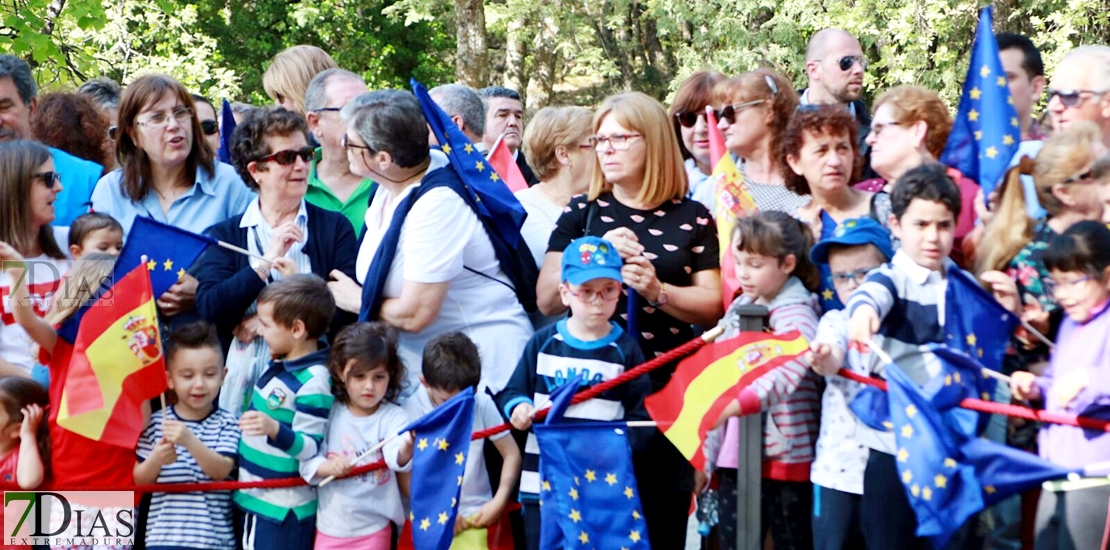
<point x="287" y="414"/>
<point x="190" y="441"/>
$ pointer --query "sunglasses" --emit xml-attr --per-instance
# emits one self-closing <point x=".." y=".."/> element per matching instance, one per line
<point x="289" y="156"/>
<point x="729" y="112"/>
<point x="847" y="62"/>
<point x="1071" y="98"/>
<point x="209" y="127"/>
<point x="688" y="118"/>
<point x="50" y="179"/>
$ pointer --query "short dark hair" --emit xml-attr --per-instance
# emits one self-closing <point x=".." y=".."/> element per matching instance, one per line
<point x="371" y="345"/>
<point x="497" y="91"/>
<point x="20" y="72"/>
<point x="929" y="182"/>
<point x="1084" y="247"/>
<point x="304" y="297"/>
<point x="451" y="362"/>
<point x="1031" y="56"/>
<point x="87" y="223"/>
<point x="817" y="121"/>
<point x="248" y="141"/>
<point x="102" y="90"/>
<point x="197" y="98"/>
<point x="391" y="121"/>
<point x="196" y="335"/>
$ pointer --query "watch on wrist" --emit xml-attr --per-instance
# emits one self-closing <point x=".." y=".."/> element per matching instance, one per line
<point x="661" y="298"/>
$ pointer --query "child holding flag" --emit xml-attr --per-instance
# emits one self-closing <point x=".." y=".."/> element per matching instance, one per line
<point x="587" y="343"/>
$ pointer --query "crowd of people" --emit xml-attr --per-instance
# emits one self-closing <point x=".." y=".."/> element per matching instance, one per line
<point x="373" y="292"/>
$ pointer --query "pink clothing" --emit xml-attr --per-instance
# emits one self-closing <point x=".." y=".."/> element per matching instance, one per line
<point x="379" y="540"/>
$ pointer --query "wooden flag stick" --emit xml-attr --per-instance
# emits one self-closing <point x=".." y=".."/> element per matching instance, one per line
<point x="243" y="251"/>
<point x="163" y="398"/>
<point x="363" y="456"/>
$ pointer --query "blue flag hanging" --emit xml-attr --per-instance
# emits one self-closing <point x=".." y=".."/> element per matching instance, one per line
<point x="561" y="398"/>
<point x="227" y="127"/>
<point x="986" y="132"/>
<point x="441" y="444"/>
<point x="169" y="252"/>
<point x="975" y="322"/>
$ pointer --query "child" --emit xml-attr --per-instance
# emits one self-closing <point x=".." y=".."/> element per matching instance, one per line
<point x="1073" y="514"/>
<point x="95" y="232"/>
<point x="585" y="343"/>
<point x="367" y="376"/>
<point x="23" y="435"/>
<point x="190" y="441"/>
<point x="856" y="247"/>
<point x="900" y="307"/>
<point x="773" y="268"/>
<point x="287" y="414"/>
<point x="451" y="364"/>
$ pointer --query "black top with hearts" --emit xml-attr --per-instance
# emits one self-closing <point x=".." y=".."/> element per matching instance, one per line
<point x="679" y="238"/>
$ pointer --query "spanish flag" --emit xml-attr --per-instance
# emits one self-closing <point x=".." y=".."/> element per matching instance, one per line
<point x="704" y="383"/>
<point x="734" y="201"/>
<point x="116" y="364"/>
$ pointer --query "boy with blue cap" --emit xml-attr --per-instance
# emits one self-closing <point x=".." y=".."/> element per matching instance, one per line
<point x="587" y="343"/>
<point x="857" y="246"/>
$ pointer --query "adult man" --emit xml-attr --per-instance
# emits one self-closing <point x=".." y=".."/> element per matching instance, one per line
<point x="331" y="185"/>
<point x="505" y="117"/>
<point x="17" y="104"/>
<point x="1025" y="71"/>
<point x="835" y="67"/>
<point x="1081" y="89"/>
<point x="465" y="108"/>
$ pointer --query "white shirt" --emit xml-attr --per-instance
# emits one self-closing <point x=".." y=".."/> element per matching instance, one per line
<point x="44" y="275"/>
<point x="841" y="459"/>
<point x="537" y="228"/>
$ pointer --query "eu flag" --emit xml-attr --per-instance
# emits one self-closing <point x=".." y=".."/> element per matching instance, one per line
<point x="441" y="442"/>
<point x="986" y="131"/>
<point x="975" y="322"/>
<point x="227" y="127"/>
<point x="588" y="490"/>
<point x="169" y="252"/>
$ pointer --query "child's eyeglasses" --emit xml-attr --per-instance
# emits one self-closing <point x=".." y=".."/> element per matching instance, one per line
<point x="1052" y="285"/>
<point x="843" y="279"/>
<point x="588" y="296"/>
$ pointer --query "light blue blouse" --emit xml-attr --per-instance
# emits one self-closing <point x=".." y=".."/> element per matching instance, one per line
<point x="210" y="201"/>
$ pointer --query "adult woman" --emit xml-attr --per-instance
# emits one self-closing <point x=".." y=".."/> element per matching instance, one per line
<point x="819" y="151"/>
<point x="416" y="279"/>
<point x="167" y="174"/>
<point x="688" y="110"/>
<point x="209" y="124"/>
<point x="287" y="77"/>
<point x="909" y="127"/>
<point x="28" y="187"/>
<point x="76" y="131"/>
<point x="669" y="245"/>
<point x="270" y="151"/>
<point x="753" y="111"/>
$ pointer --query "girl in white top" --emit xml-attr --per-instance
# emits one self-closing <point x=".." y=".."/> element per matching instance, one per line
<point x="366" y="375"/>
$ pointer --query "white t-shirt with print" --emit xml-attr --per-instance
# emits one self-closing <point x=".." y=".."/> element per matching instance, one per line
<point x="841" y="457"/>
<point x="44" y="276"/>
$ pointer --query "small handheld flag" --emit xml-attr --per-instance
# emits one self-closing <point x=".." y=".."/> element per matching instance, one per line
<point x="503" y="163"/>
<point x="227" y="127"/>
<point x="170" y="251"/>
<point x="734" y="201"/>
<point x="980" y="325"/>
<point x="561" y="398"/>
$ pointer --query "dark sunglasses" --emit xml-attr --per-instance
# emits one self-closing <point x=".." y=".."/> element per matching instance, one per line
<point x="49" y="179"/>
<point x="289" y="156"/>
<point x="688" y="118"/>
<point x="845" y="63"/>
<point x="728" y="112"/>
<point x="1071" y="98"/>
<point x="209" y="127"/>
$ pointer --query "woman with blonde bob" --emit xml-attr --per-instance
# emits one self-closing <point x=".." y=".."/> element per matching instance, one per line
<point x="286" y="79"/>
<point x="636" y="201"/>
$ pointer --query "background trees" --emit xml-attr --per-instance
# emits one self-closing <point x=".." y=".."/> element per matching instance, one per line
<point x="554" y="51"/>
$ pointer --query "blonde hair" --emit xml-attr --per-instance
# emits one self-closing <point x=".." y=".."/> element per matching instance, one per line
<point x="912" y="104"/>
<point x="291" y="71"/>
<point x="79" y="285"/>
<point x="664" y="173"/>
<point x="549" y="129"/>
<point x="1063" y="156"/>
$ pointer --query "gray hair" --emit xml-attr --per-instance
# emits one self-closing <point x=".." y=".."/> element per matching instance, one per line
<point x="1097" y="59"/>
<point x="20" y="72"/>
<point x="103" y="90"/>
<point x="315" y="96"/>
<point x="463" y="102"/>
<point x="391" y="121"/>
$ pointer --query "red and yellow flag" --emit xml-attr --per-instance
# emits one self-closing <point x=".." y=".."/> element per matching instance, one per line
<point x="704" y="383"/>
<point x="117" y="364"/>
<point x="734" y="201"/>
<point x="502" y="161"/>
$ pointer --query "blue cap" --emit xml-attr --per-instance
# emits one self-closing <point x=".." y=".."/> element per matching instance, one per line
<point x="853" y="232"/>
<point x="589" y="258"/>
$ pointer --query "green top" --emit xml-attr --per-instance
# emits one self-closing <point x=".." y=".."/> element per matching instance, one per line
<point x="354" y="209"/>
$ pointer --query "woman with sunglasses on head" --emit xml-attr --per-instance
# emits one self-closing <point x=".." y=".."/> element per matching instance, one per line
<point x="167" y="173"/>
<point x="270" y="151"/>
<point x="753" y="110"/>
<point x="29" y="186"/>
<point x="209" y="124"/>
<point x="688" y="112"/>
<point x="636" y="201"/>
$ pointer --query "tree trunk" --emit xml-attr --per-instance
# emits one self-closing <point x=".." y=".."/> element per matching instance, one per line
<point x="516" y="51"/>
<point x="471" y="62"/>
<point x="544" y="65"/>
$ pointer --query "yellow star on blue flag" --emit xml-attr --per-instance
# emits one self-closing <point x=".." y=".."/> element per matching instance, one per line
<point x="165" y="247"/>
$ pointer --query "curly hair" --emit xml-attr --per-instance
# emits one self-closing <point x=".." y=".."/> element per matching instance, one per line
<point x="816" y="120"/>
<point x="369" y="346"/>
<point x="73" y="123"/>
<point x="249" y="140"/>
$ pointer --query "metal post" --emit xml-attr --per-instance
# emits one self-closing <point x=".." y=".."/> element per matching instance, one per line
<point x="749" y="470"/>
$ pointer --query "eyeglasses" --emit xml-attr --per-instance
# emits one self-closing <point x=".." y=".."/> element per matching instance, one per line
<point x="729" y="112"/>
<point x="847" y="62"/>
<point x="1071" y="98"/>
<point x="1052" y="285"/>
<point x="619" y="142"/>
<point x="877" y="129"/>
<point x="688" y="118"/>
<point x="327" y="109"/>
<point x="159" y="120"/>
<point x="843" y="279"/>
<point x="289" y="156"/>
<point x="49" y="179"/>
<point x="348" y="145"/>
<point x="588" y="296"/>
<point x="209" y="127"/>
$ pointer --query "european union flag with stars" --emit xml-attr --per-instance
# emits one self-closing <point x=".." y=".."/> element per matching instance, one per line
<point x="169" y="252"/>
<point x="440" y="445"/>
<point x="986" y="131"/>
<point x="588" y="489"/>
<point x="975" y="322"/>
